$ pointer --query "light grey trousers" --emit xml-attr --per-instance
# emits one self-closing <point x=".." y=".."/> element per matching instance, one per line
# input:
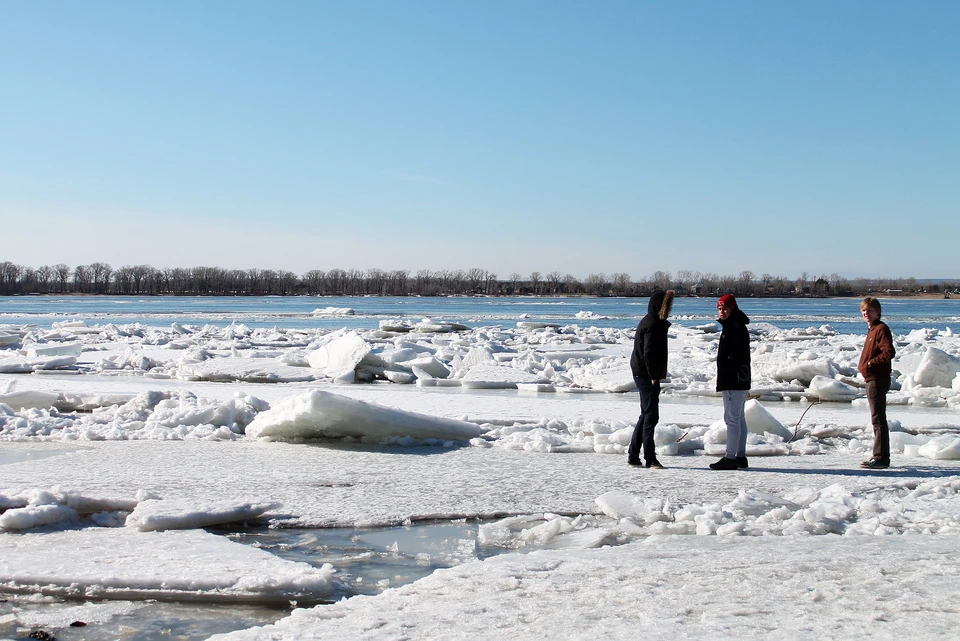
<point x="733" y="401"/>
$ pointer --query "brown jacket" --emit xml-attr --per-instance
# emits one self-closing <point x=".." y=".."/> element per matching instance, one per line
<point x="877" y="355"/>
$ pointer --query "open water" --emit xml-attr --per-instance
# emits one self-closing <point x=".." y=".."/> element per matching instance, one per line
<point x="305" y="312"/>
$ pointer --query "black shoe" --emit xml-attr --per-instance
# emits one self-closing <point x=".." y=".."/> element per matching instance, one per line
<point x="655" y="464"/>
<point x="876" y="464"/>
<point x="742" y="462"/>
<point x="724" y="464"/>
<point x="634" y="461"/>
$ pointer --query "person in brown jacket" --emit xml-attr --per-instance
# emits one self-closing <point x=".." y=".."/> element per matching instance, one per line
<point x="875" y="366"/>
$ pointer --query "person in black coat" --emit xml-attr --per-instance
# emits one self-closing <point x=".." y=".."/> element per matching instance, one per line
<point x="649" y="365"/>
<point x="733" y="380"/>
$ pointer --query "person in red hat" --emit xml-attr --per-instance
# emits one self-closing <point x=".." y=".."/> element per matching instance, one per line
<point x="733" y="380"/>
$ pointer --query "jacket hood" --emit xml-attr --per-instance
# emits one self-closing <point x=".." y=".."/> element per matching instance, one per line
<point x="660" y="304"/>
<point x="737" y="316"/>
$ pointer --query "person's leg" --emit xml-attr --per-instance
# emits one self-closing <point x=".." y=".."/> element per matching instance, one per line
<point x="644" y="386"/>
<point x="651" y="416"/>
<point x="877" y="399"/>
<point x="742" y="442"/>
<point x="733" y="401"/>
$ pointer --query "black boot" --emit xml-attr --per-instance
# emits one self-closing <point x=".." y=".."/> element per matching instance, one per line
<point x="654" y="463"/>
<point x="742" y="462"/>
<point x="724" y="464"/>
<point x="633" y="460"/>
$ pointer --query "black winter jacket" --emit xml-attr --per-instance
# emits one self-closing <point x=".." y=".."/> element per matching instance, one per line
<point x="733" y="354"/>
<point x="649" y="358"/>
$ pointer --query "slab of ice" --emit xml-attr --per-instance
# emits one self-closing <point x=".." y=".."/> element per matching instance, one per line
<point x="170" y="514"/>
<point x="123" y="563"/>
<point x="320" y="414"/>
<point x="6" y="340"/>
<point x="498" y="377"/>
<point x="250" y="370"/>
<point x="55" y="349"/>
<point x="29" y="398"/>
<point x="23" y="364"/>
<point x="333" y="311"/>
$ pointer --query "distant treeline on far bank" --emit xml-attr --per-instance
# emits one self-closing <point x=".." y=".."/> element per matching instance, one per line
<point x="144" y="280"/>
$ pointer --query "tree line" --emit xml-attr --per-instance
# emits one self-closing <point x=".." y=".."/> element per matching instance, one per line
<point x="145" y="280"/>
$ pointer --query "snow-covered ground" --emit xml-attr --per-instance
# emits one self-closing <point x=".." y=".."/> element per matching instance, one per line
<point x="119" y="443"/>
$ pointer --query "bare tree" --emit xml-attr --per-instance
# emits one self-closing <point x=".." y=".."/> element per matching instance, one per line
<point x="81" y="279"/>
<point x="745" y="282"/>
<point x="802" y="283"/>
<point x="620" y="282"/>
<point x="572" y="285"/>
<point x="554" y="278"/>
<point x="661" y="280"/>
<point x="9" y="277"/>
<point x="44" y="276"/>
<point x="535" y="282"/>
<point x="475" y="278"/>
<point x="516" y="281"/>
<point x="594" y="283"/>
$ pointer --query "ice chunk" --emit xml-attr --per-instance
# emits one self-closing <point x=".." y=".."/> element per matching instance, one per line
<point x="320" y="414"/>
<point x="340" y="357"/>
<point x="759" y="420"/>
<point x="937" y="369"/>
<point x="829" y="389"/>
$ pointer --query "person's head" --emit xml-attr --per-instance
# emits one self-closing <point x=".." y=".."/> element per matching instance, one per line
<point x="870" y="309"/>
<point x="726" y="305"/>
<point x="661" y="302"/>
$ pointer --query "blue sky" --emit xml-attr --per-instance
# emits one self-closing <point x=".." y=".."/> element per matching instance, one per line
<point x="579" y="137"/>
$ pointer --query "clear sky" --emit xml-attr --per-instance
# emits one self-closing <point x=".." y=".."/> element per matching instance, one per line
<point x="579" y="137"/>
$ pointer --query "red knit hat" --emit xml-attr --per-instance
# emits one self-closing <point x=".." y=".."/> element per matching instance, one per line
<point x="727" y="300"/>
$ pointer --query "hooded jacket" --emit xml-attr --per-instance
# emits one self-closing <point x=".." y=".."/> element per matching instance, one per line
<point x="733" y="354"/>
<point x="649" y="358"/>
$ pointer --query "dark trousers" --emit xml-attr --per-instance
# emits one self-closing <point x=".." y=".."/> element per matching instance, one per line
<point x="649" y="417"/>
<point x="877" y="398"/>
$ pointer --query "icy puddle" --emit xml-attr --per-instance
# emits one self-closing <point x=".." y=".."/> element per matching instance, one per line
<point x="368" y="561"/>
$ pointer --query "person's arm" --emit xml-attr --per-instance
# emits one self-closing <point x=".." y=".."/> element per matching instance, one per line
<point x="743" y="354"/>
